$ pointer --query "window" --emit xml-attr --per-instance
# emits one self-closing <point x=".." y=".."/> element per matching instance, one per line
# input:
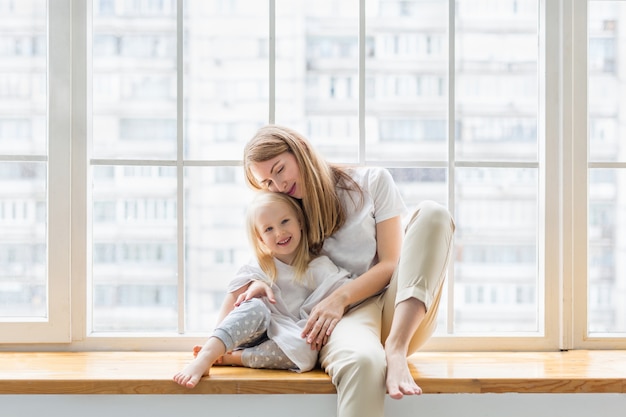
<point x="471" y="103"/>
<point x="34" y="175"/>
<point x="604" y="278"/>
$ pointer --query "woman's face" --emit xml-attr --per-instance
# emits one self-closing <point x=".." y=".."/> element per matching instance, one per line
<point x="280" y="174"/>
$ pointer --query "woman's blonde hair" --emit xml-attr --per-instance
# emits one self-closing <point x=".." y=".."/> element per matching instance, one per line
<point x="262" y="252"/>
<point x="323" y="210"/>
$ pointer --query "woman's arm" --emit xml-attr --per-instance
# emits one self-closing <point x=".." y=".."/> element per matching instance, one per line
<point x="325" y="315"/>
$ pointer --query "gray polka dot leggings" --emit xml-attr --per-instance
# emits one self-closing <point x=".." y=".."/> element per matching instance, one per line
<point x="245" y="328"/>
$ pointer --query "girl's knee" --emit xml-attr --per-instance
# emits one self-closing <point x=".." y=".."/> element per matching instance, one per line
<point x="256" y="310"/>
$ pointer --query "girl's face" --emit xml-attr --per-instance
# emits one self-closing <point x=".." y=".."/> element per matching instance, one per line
<point x="280" y="230"/>
<point x="280" y="174"/>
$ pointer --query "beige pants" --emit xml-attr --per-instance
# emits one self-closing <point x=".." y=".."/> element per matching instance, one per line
<point x="354" y="356"/>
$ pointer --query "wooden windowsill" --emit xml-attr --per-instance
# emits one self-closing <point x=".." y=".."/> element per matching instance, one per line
<point x="580" y="371"/>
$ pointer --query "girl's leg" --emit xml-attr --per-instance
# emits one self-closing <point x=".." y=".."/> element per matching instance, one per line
<point x="244" y="324"/>
<point x="355" y="360"/>
<point x="231" y="358"/>
<point x="193" y="372"/>
<point x="411" y="302"/>
<point x="266" y="355"/>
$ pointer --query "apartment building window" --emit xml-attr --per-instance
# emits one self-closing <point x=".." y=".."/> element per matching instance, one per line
<point x="126" y="197"/>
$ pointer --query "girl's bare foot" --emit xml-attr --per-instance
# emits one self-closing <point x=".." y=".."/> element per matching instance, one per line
<point x="194" y="371"/>
<point x="196" y="350"/>
<point x="231" y="358"/>
<point x="205" y="356"/>
<point x="399" y="380"/>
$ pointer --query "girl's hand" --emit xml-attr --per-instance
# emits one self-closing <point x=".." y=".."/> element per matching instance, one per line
<point x="322" y="321"/>
<point x="257" y="289"/>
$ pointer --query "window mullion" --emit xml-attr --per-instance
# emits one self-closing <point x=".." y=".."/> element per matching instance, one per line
<point x="362" y="75"/>
<point x="180" y="174"/>
<point x="80" y="139"/>
<point x="272" y="62"/>
<point x="579" y="171"/>
<point x="550" y="209"/>
<point x="57" y="329"/>
<point x="451" y="150"/>
<point x="567" y="191"/>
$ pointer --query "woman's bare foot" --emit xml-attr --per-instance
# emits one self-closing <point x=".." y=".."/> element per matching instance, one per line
<point x="399" y="380"/>
<point x="406" y="320"/>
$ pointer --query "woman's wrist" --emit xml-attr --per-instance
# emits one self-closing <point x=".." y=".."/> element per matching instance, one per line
<point x="342" y="297"/>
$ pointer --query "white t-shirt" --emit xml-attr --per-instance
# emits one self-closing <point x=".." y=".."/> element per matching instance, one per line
<point x="353" y="247"/>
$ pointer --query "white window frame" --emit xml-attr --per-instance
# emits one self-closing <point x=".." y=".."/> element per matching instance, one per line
<point x="562" y="239"/>
<point x="55" y="328"/>
<point x="579" y="171"/>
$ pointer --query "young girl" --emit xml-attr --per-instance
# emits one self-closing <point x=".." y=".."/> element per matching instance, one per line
<point x="269" y="299"/>
<point x="354" y="216"/>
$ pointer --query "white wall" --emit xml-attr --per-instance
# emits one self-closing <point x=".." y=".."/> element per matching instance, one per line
<point x="433" y="405"/>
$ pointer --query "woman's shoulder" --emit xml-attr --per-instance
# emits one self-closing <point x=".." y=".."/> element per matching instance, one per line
<point x="370" y="177"/>
<point x="365" y="173"/>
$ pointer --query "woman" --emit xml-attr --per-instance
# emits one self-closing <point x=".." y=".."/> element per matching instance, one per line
<point x="354" y="217"/>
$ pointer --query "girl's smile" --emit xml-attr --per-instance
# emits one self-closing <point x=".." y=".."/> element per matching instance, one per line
<point x="280" y="231"/>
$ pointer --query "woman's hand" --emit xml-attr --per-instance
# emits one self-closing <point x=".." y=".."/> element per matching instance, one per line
<point x="322" y="321"/>
<point x="256" y="289"/>
<point x="325" y="316"/>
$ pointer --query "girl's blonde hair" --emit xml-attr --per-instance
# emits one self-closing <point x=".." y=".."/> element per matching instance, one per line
<point x="323" y="211"/>
<point x="262" y="252"/>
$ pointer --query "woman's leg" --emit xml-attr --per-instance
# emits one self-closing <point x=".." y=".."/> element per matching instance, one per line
<point x="411" y="302"/>
<point x="355" y="360"/>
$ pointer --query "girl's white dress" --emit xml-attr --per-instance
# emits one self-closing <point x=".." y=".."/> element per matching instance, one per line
<point x="294" y="302"/>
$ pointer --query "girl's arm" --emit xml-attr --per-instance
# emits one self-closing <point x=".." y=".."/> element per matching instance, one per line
<point x="229" y="302"/>
<point x="256" y="289"/>
<point x="253" y="289"/>
<point x="325" y="315"/>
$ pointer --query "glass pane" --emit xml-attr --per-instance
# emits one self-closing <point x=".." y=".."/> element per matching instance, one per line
<point x="606" y="273"/>
<point x="496" y="80"/>
<point x="317" y="83"/>
<point x="23" y="184"/>
<point x="606" y="270"/>
<point x="407" y="80"/>
<point x="23" y="218"/>
<point x="496" y="286"/>
<point x="605" y="81"/>
<point x="216" y="244"/>
<point x="134" y="249"/>
<point x="226" y="76"/>
<point x="419" y="184"/>
<point x="23" y="85"/>
<point x="134" y="79"/>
